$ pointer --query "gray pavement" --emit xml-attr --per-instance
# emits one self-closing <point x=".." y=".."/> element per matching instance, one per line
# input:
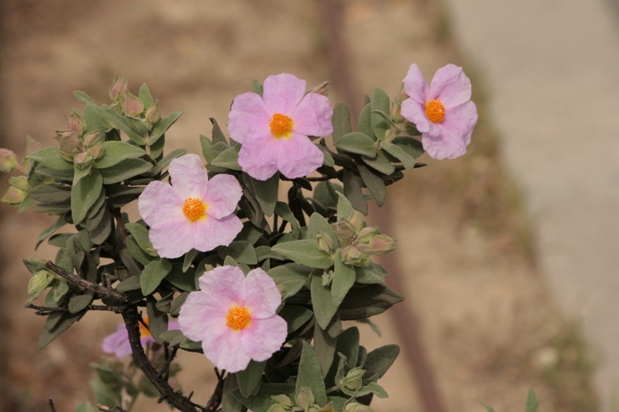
<point x="552" y="67"/>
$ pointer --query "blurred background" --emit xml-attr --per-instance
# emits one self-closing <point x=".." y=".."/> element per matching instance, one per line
<point x="507" y="257"/>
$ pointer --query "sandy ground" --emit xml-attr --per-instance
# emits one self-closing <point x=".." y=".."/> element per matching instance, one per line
<point x="486" y="320"/>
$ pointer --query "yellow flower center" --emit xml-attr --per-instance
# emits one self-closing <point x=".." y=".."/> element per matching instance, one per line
<point x="194" y="209"/>
<point x="281" y="126"/>
<point x="144" y="332"/>
<point x="435" y="111"/>
<point x="238" y="318"/>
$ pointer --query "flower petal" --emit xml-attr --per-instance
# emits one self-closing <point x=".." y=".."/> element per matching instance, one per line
<point x="248" y="117"/>
<point x="451" y="86"/>
<point x="225" y="284"/>
<point x="172" y="238"/>
<point x="189" y="177"/>
<point x="312" y="116"/>
<point x="258" y="156"/>
<point x="213" y="232"/>
<point x="226" y="350"/>
<point x="298" y="156"/>
<point x="415" y="85"/>
<point x="462" y="120"/>
<point x="200" y="315"/>
<point x="224" y="193"/>
<point x="263" y="297"/>
<point x="159" y="202"/>
<point x="415" y="113"/>
<point x="117" y="343"/>
<point x="264" y="337"/>
<point x="282" y="93"/>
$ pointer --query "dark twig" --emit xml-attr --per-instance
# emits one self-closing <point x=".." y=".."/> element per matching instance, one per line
<point x="48" y="310"/>
<point x="215" y="401"/>
<point x="51" y="405"/>
<point x="175" y="399"/>
<point x="163" y="372"/>
<point x="84" y="284"/>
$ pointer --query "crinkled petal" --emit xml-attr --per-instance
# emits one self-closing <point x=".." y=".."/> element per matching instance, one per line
<point x="160" y="202"/>
<point x="212" y="232"/>
<point x="298" y="156"/>
<point x="312" y="116"/>
<point x="189" y="177"/>
<point x="226" y="284"/>
<point x="415" y="85"/>
<point x="201" y="315"/>
<point x="264" y="337"/>
<point x="446" y="146"/>
<point x="263" y="297"/>
<point x="248" y="117"/>
<point x="451" y="86"/>
<point x="258" y="156"/>
<point x="226" y="350"/>
<point x="172" y="238"/>
<point x="282" y="93"/>
<point x="224" y="193"/>
<point x="415" y="113"/>
<point x="461" y="120"/>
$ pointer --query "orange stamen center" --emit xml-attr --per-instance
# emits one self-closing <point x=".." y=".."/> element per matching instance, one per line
<point x="144" y="332"/>
<point x="281" y="126"/>
<point x="194" y="209"/>
<point x="238" y="318"/>
<point x="435" y="111"/>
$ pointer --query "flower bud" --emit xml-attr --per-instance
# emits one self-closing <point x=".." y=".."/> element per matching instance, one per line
<point x="327" y="278"/>
<point x="39" y="282"/>
<point x="32" y="145"/>
<point x="352" y="256"/>
<point x="357" y="407"/>
<point x="304" y="397"/>
<point x="344" y="230"/>
<point x="13" y="196"/>
<point x="276" y="408"/>
<point x="381" y="244"/>
<point x="322" y="88"/>
<point x="96" y="151"/>
<point x="282" y="400"/>
<point x="324" y="242"/>
<point x="92" y="138"/>
<point x="19" y="182"/>
<point x="69" y="144"/>
<point x="153" y="114"/>
<point x="132" y="105"/>
<point x="118" y="88"/>
<point x="356" y="220"/>
<point x="82" y="160"/>
<point x="8" y="160"/>
<point x="76" y="122"/>
<point x="353" y="379"/>
<point x="366" y="234"/>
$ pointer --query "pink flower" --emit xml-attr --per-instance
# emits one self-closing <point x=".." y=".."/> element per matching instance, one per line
<point x="118" y="344"/>
<point x="193" y="213"/>
<point x="234" y="317"/>
<point x="443" y="112"/>
<point x="274" y="129"/>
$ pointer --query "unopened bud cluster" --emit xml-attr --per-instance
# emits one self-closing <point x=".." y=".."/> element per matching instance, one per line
<point x="360" y="243"/>
<point x="304" y="401"/>
<point x="131" y="105"/>
<point x="78" y="146"/>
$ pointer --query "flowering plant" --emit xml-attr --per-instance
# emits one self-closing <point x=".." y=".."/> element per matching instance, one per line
<point x="258" y="285"/>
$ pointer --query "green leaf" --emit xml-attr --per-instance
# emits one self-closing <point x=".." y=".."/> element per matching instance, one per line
<point x="141" y="236"/>
<point x="295" y="317"/>
<point x="249" y="379"/>
<point x="380" y="360"/>
<point x="344" y="207"/>
<point x="257" y="87"/>
<point x="218" y="135"/>
<point x="240" y="250"/>
<point x="163" y="163"/>
<point x="488" y="408"/>
<point x="532" y="402"/>
<point x="145" y="97"/>
<point x="228" y="159"/>
<point x="322" y="303"/>
<point x="380" y="103"/>
<point x="290" y="278"/>
<point x="396" y="151"/>
<point x="343" y="279"/>
<point x="115" y="152"/>
<point x="157" y="319"/>
<point x="83" y="97"/>
<point x="371" y="274"/>
<point x="84" y="194"/>
<point x="230" y="401"/>
<point x="153" y="274"/>
<point x="368" y="301"/>
<point x="56" y="324"/>
<point x="183" y="280"/>
<point x="357" y="143"/>
<point x="126" y="125"/>
<point x="340" y="120"/>
<point x="51" y="193"/>
<point x="325" y="342"/>
<point x="125" y="170"/>
<point x="410" y="145"/>
<point x="310" y="375"/>
<point x="137" y="252"/>
<point x="352" y="190"/>
<point x="364" y="124"/>
<point x="328" y="159"/>
<point x="374" y="183"/>
<point x="283" y="210"/>
<point x="317" y="225"/>
<point x="60" y="222"/>
<point x="50" y="157"/>
<point x="304" y="252"/>
<point x="95" y="119"/>
<point x="79" y="302"/>
<point x="266" y="193"/>
<point x="162" y="126"/>
<point x="130" y="284"/>
<point x="380" y="164"/>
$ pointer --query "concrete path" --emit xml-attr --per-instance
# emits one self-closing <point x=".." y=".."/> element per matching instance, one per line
<point x="552" y="67"/>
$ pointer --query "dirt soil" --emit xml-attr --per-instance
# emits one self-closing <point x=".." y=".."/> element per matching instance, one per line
<point x="488" y="327"/>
